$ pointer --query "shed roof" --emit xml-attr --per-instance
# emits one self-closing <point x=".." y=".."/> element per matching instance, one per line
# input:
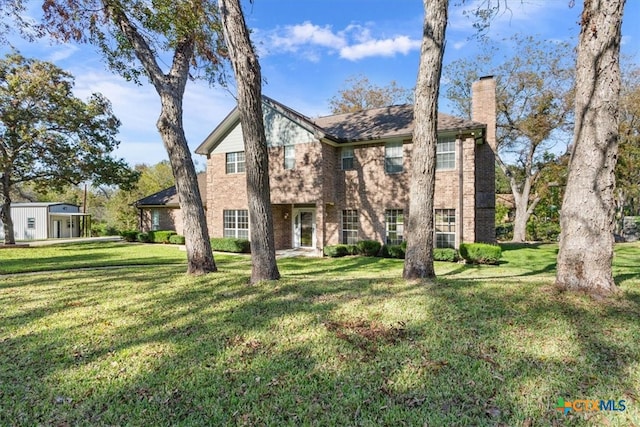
<point x="39" y="204"/>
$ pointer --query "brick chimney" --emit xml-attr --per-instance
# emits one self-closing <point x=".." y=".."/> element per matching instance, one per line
<point x="483" y="106"/>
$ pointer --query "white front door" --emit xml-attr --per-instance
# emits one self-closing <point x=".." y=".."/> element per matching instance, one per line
<point x="304" y="228"/>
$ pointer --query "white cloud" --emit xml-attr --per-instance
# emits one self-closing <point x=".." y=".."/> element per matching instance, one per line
<point x="382" y="47"/>
<point x="459" y="44"/>
<point x="311" y="42"/>
<point x="291" y="37"/>
<point x="61" y="52"/>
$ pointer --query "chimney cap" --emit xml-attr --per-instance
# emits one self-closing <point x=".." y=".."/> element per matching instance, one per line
<point x="486" y="77"/>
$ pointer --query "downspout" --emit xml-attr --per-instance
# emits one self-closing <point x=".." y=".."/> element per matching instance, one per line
<point x="460" y="234"/>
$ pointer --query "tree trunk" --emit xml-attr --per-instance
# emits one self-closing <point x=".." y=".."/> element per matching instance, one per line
<point x="524" y="209"/>
<point x="419" y="255"/>
<point x="248" y="81"/>
<point x="587" y="215"/>
<point x="5" y="210"/>
<point x="170" y="88"/>
<point x="199" y="255"/>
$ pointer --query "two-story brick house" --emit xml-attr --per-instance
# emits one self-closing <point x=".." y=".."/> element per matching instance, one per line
<point x="344" y="178"/>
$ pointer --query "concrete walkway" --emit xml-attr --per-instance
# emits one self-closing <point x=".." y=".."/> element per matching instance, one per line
<point x="73" y="240"/>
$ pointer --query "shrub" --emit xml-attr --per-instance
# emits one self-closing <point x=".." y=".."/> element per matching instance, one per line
<point x="480" y="253"/>
<point x="160" y="236"/>
<point x="176" y="239"/>
<point x="336" y="251"/>
<point x="229" y="244"/>
<point x="504" y="231"/>
<point x="351" y="249"/>
<point x="445" y="254"/>
<point x="392" y="251"/>
<point x="144" y="238"/>
<point x="129" y="235"/>
<point x="368" y="247"/>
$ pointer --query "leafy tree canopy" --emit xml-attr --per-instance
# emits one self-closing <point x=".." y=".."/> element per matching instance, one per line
<point x="50" y="137"/>
<point x="360" y="94"/>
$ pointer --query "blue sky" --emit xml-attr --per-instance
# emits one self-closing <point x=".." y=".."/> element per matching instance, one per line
<point x="308" y="48"/>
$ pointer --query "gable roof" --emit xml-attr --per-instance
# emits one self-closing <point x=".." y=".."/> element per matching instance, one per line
<point x="169" y="196"/>
<point x="395" y="121"/>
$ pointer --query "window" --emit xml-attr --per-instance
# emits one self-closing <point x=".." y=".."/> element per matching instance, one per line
<point x="235" y="162"/>
<point x="446" y="154"/>
<point x="393" y="157"/>
<point x="445" y="222"/>
<point x="31" y="223"/>
<point x="155" y="219"/>
<point x="236" y="224"/>
<point x="349" y="227"/>
<point x="394" y="219"/>
<point x="289" y="156"/>
<point x="346" y="158"/>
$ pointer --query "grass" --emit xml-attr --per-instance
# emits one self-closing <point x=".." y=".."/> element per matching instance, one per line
<point x="335" y="342"/>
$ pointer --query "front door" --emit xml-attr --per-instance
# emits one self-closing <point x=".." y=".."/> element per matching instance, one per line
<point x="304" y="228"/>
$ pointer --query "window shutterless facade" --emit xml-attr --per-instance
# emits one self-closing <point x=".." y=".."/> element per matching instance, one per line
<point x="445" y="225"/>
<point x="350" y="225"/>
<point x="155" y="219"/>
<point x="446" y="154"/>
<point x="393" y="158"/>
<point x="289" y="156"/>
<point x="346" y="158"/>
<point x="235" y="162"/>
<point x="236" y="223"/>
<point x="394" y="220"/>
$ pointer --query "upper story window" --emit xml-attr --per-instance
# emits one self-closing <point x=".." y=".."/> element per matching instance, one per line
<point x="346" y="158"/>
<point x="393" y="158"/>
<point x="289" y="156"/>
<point x="235" y="162"/>
<point x="446" y="154"/>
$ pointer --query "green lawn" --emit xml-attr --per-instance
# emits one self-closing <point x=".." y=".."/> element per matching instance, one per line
<point x="335" y="342"/>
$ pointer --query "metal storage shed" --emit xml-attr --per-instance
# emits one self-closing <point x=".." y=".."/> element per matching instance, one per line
<point x="34" y="221"/>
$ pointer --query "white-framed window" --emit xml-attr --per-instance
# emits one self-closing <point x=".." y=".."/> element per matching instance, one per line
<point x="289" y="156"/>
<point x="236" y="223"/>
<point x="155" y="219"/>
<point x="346" y="158"/>
<point x="350" y="225"/>
<point x="235" y="162"/>
<point x="393" y="158"/>
<point x="31" y="223"/>
<point x="394" y="220"/>
<point x="446" y="154"/>
<point x="445" y="224"/>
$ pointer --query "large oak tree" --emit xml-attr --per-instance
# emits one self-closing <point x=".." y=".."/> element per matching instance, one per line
<point x="419" y="254"/>
<point x="49" y="137"/>
<point x="587" y="216"/>
<point x="138" y="38"/>
<point x="534" y="92"/>
<point x="249" y="83"/>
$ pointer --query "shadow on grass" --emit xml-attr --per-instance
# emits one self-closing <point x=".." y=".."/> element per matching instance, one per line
<point x="164" y="349"/>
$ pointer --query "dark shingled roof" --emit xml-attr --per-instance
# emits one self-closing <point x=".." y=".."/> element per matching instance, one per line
<point x="169" y="197"/>
<point x="385" y="122"/>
